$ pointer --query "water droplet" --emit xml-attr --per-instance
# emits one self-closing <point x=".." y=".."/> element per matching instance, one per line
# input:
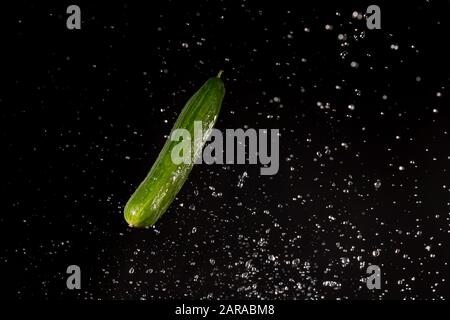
<point x="241" y="179"/>
<point x="377" y="184"/>
<point x="344" y="261"/>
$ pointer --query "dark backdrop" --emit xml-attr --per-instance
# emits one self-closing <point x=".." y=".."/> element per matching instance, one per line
<point x="85" y="113"/>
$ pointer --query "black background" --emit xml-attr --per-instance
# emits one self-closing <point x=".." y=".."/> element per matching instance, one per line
<point x="85" y="112"/>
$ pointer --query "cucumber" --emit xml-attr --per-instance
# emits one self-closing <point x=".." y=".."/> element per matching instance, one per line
<point x="165" y="178"/>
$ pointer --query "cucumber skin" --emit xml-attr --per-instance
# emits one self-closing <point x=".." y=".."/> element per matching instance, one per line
<point x="165" y="179"/>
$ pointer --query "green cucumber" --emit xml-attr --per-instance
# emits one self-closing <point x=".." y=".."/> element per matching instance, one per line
<point x="165" y="178"/>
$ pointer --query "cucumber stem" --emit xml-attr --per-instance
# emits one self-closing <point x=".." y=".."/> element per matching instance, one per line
<point x="219" y="74"/>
